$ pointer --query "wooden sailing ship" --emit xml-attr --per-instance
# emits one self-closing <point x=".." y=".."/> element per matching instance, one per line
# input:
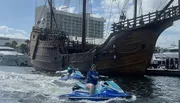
<point x="128" y="50"/>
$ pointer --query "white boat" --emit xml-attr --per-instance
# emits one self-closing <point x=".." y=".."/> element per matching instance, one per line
<point x="171" y="53"/>
<point x="9" y="57"/>
<point x="166" y="58"/>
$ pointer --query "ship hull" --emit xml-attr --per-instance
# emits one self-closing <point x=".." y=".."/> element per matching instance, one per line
<point x="132" y="52"/>
<point x="123" y="53"/>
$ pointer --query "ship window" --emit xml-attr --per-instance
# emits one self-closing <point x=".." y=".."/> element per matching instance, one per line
<point x="143" y="46"/>
<point x="33" y="36"/>
<point x="55" y="58"/>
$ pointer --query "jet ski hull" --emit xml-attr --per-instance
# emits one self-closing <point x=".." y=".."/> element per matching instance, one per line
<point x="77" y="76"/>
<point x="79" y="95"/>
<point x="104" y="90"/>
<point x="72" y="77"/>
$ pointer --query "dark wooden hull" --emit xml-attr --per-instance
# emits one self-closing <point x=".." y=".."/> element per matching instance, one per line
<point x="132" y="53"/>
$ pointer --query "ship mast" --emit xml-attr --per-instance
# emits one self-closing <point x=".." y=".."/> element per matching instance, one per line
<point x="51" y="10"/>
<point x="84" y="26"/>
<point x="135" y="12"/>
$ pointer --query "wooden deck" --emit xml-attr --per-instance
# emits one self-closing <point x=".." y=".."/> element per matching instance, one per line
<point x="172" y="13"/>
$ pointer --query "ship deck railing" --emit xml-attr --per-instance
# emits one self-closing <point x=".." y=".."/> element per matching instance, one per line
<point x="170" y="13"/>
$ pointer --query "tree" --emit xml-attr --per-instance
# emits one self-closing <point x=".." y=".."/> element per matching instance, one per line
<point x="7" y="44"/>
<point x="165" y="50"/>
<point x="13" y="44"/>
<point x="24" y="48"/>
<point x="157" y="49"/>
<point x="27" y="42"/>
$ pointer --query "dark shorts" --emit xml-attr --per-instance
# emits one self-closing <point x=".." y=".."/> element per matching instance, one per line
<point x="90" y="82"/>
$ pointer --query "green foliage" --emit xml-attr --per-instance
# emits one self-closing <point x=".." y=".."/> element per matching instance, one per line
<point x="27" y="42"/>
<point x="159" y="49"/>
<point x="13" y="44"/>
<point x="24" y="48"/>
<point x="164" y="50"/>
<point x="7" y="44"/>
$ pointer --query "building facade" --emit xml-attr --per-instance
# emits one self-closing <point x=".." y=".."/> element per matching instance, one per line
<point x="70" y="22"/>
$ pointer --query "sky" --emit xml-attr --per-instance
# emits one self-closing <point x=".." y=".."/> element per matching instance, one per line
<point x="18" y="16"/>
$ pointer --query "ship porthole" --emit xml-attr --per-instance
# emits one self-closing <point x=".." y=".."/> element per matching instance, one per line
<point x="55" y="58"/>
<point x="114" y="56"/>
<point x="143" y="46"/>
<point x="114" y="46"/>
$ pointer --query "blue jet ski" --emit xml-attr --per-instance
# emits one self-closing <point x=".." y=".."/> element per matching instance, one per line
<point x="76" y="75"/>
<point x="104" y="91"/>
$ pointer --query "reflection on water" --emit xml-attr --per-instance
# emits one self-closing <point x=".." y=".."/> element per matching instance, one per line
<point x="141" y="86"/>
<point x="149" y="89"/>
<point x="21" y="85"/>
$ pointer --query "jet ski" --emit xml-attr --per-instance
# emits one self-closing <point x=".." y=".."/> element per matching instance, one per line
<point x="74" y="78"/>
<point x="104" y="90"/>
<point x="77" y="75"/>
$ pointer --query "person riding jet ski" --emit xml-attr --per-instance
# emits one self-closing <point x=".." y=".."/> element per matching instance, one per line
<point x="70" y="70"/>
<point x="92" y="79"/>
<point x="104" y="90"/>
<point x="71" y="73"/>
<point x="99" y="91"/>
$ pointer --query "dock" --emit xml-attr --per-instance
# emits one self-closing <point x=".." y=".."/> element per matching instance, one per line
<point x="163" y="72"/>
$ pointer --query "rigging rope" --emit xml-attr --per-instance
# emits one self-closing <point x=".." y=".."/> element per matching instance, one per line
<point x="118" y="5"/>
<point x="89" y="6"/>
<point x="38" y="22"/>
<point x="54" y="17"/>
<point x="60" y="3"/>
<point x="110" y="15"/>
<point x="140" y="7"/>
<point x="66" y="5"/>
<point x="124" y="10"/>
<point x="153" y="5"/>
<point x="162" y="4"/>
<point x="78" y="5"/>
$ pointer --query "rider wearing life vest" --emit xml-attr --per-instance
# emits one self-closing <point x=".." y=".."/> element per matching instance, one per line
<point x="70" y="70"/>
<point x="92" y="79"/>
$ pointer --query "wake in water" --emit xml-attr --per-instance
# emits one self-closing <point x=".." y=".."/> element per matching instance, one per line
<point x="61" y="83"/>
<point x="36" y="88"/>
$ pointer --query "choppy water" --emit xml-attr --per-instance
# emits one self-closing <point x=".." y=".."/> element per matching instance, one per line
<point x="20" y="85"/>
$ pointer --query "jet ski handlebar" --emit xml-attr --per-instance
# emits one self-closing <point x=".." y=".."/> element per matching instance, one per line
<point x="102" y="77"/>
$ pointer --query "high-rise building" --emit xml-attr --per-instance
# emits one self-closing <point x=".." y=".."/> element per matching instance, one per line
<point x="70" y="22"/>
